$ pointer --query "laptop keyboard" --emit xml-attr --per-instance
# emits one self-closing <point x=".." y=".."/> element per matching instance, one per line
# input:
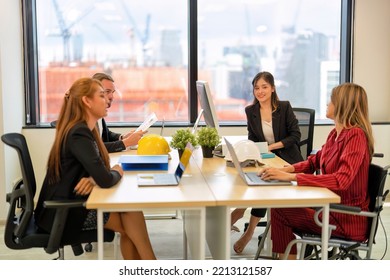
<point x="253" y="176"/>
<point x="165" y="178"/>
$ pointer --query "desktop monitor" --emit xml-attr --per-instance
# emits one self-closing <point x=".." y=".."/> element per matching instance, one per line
<point x="200" y="114"/>
<point x="207" y="104"/>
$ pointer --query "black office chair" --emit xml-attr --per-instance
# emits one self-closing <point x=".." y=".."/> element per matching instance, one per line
<point x="306" y="118"/>
<point x="345" y="248"/>
<point x="20" y="229"/>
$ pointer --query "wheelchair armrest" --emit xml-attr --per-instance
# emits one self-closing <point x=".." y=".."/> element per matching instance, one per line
<point x="380" y="155"/>
<point x="62" y="208"/>
<point x="353" y="209"/>
<point x="340" y="208"/>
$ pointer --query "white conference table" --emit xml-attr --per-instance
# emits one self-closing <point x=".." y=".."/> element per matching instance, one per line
<point x="230" y="191"/>
<point x="207" y="192"/>
<point x="191" y="196"/>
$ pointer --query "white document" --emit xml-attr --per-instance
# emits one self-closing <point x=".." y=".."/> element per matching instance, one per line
<point x="148" y="122"/>
<point x="262" y="146"/>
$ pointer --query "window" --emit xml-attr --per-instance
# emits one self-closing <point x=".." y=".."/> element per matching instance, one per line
<point x="148" y="46"/>
<point x="297" y="41"/>
<point x="139" y="43"/>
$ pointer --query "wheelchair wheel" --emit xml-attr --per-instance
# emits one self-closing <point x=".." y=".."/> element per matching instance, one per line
<point x="351" y="255"/>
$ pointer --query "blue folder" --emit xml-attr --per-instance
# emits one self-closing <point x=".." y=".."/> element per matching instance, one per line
<point x="144" y="162"/>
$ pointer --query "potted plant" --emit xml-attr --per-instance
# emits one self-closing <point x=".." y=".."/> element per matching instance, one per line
<point x="208" y="139"/>
<point x="180" y="139"/>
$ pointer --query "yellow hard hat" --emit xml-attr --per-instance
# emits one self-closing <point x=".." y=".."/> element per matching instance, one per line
<point x="153" y="144"/>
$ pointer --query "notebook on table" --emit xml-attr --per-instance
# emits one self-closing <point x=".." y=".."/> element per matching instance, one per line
<point x="167" y="179"/>
<point x="251" y="178"/>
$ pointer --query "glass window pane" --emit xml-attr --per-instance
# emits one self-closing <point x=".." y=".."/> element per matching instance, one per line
<point x="298" y="41"/>
<point x="140" y="43"/>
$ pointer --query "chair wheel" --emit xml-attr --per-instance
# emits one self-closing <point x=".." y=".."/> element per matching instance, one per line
<point x="88" y="247"/>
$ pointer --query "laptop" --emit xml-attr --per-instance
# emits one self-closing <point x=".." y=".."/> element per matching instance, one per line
<point x="167" y="179"/>
<point x="251" y="178"/>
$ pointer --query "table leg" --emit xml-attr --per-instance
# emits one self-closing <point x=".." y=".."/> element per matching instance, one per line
<point x="218" y="232"/>
<point x="185" y="241"/>
<point x="195" y="228"/>
<point x="100" y="233"/>
<point x="325" y="232"/>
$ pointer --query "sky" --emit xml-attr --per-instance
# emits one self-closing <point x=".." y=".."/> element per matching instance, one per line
<point x="106" y="25"/>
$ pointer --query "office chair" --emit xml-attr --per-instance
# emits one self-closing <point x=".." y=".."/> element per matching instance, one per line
<point x="20" y="229"/>
<point x="306" y="118"/>
<point x="345" y="248"/>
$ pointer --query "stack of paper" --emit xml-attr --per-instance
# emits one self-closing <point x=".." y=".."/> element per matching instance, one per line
<point x="148" y="122"/>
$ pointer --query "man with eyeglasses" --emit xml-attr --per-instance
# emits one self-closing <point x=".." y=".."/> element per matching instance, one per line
<point x="114" y="142"/>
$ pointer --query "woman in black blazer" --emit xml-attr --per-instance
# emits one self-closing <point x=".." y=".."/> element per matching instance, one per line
<point x="273" y="121"/>
<point x="78" y="160"/>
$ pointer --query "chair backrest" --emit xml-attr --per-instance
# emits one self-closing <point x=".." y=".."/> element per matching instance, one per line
<point x="305" y="117"/>
<point x="21" y="198"/>
<point x="376" y="184"/>
<point x="18" y="142"/>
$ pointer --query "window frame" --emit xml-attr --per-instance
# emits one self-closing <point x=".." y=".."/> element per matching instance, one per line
<point x="30" y="52"/>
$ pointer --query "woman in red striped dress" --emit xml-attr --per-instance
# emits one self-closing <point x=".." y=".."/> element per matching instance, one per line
<point x="344" y="162"/>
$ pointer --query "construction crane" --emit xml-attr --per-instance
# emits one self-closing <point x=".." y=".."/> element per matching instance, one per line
<point x="106" y="34"/>
<point x="65" y="31"/>
<point x="143" y="37"/>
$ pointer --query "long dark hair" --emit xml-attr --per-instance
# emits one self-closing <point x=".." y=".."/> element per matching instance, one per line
<point x="266" y="76"/>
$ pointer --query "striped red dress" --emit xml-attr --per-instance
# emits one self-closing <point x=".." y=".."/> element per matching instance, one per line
<point x="344" y="163"/>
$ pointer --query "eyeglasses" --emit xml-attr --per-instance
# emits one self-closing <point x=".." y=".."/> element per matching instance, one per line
<point x="109" y="91"/>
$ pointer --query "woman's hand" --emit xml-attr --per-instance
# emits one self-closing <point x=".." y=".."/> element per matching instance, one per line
<point x="84" y="186"/>
<point x="281" y="174"/>
<point x="118" y="168"/>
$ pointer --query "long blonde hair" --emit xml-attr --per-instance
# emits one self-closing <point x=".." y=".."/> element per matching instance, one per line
<point x="351" y="109"/>
<point x="73" y="111"/>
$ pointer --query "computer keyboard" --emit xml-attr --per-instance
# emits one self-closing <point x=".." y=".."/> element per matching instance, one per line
<point x="165" y="178"/>
<point x="253" y="176"/>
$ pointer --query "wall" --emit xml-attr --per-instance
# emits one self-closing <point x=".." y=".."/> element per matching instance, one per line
<point x="11" y="91"/>
<point x="371" y="70"/>
<point x="371" y="54"/>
